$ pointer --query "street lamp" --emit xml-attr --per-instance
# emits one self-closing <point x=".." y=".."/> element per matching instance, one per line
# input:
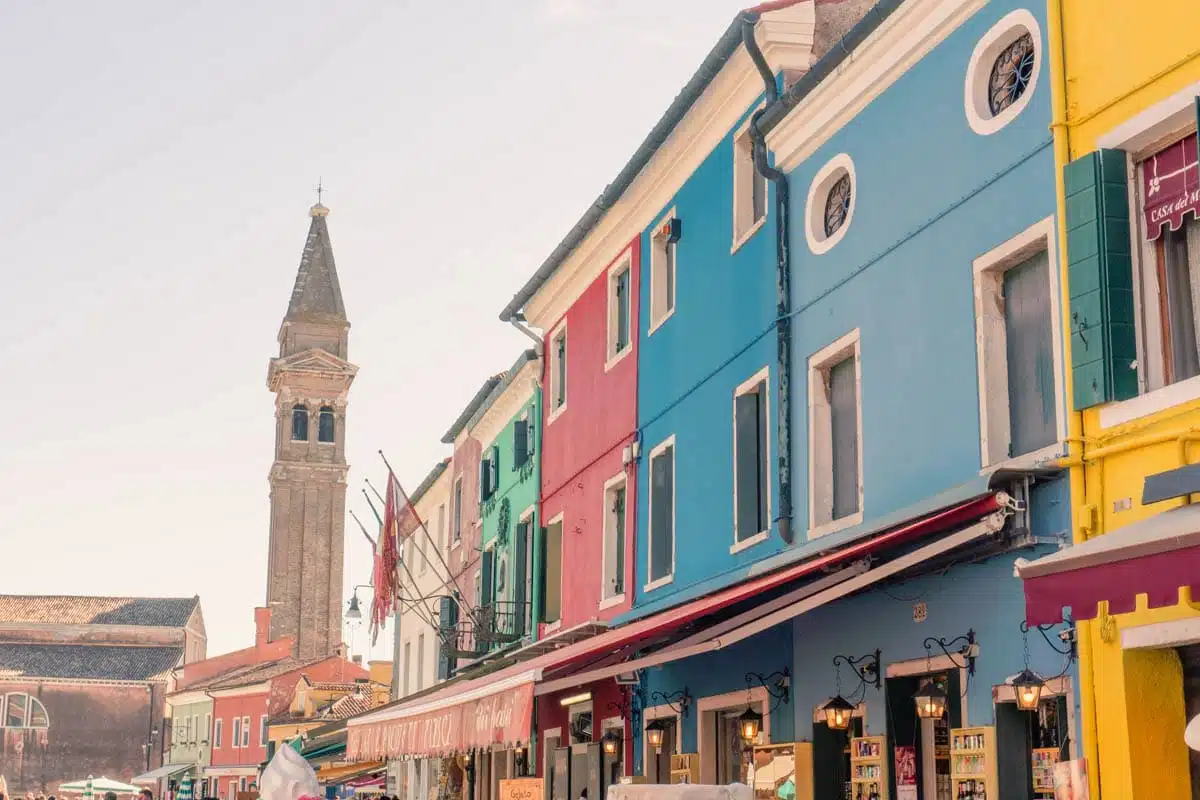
<point x="611" y="742"/>
<point x="654" y="734"/>
<point x="838" y="713"/>
<point x="1028" y="689"/>
<point x="749" y="724"/>
<point x="354" y="612"/>
<point x="931" y="701"/>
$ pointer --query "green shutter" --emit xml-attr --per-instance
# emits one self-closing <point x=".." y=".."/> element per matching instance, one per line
<point x="539" y="611"/>
<point x="1100" y="278"/>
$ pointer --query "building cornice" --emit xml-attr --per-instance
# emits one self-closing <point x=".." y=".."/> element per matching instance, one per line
<point x="507" y="405"/>
<point x="241" y="691"/>
<point x="188" y="697"/>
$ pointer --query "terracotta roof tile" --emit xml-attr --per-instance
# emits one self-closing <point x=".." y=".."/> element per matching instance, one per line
<point x="88" y="661"/>
<point x="168" y="612"/>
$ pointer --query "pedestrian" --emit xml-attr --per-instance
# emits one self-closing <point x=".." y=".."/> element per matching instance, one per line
<point x="146" y="794"/>
<point x="110" y="796"/>
<point x="583" y="793"/>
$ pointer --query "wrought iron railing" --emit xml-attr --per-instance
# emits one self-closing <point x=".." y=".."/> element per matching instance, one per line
<point x="487" y="628"/>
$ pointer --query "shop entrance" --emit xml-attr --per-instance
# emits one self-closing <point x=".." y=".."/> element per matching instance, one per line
<point x="658" y="764"/>
<point x="724" y="757"/>
<point x="929" y="737"/>
<point x="1028" y="744"/>
<point x="831" y="759"/>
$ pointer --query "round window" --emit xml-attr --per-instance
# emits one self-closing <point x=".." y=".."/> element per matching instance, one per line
<point x="1003" y="72"/>
<point x="1011" y="73"/>
<point x="830" y="205"/>
<point x="837" y="205"/>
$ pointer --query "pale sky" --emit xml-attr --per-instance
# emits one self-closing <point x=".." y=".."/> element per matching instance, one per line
<point x="158" y="161"/>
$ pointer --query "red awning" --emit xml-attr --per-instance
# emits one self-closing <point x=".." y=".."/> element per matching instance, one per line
<point x="1155" y="557"/>
<point x="496" y="708"/>
<point x="1170" y="187"/>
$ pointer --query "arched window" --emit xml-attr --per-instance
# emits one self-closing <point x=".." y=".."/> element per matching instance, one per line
<point x="18" y="710"/>
<point x="299" y="423"/>
<point x="325" y="425"/>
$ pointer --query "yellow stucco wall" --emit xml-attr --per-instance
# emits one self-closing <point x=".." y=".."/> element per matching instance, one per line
<point x="1120" y="57"/>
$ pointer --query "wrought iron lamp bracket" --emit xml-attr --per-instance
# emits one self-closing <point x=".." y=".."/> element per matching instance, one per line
<point x="966" y="652"/>
<point x="867" y="667"/>
<point x="778" y="685"/>
<point x="679" y="701"/>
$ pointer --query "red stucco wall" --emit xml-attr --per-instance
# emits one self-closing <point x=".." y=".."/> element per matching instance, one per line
<point x="551" y="714"/>
<point x="226" y="709"/>
<point x="581" y="448"/>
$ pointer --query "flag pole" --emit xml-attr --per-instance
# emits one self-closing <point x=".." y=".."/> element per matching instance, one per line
<point x="363" y="528"/>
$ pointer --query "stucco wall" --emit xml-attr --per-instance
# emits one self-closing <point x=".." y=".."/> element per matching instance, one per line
<point x="197" y="749"/>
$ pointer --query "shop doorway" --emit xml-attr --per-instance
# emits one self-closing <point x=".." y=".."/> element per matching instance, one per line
<point x="831" y="757"/>
<point x="929" y="737"/>
<point x="658" y="763"/>
<point x="1023" y="737"/>
<point x="724" y="757"/>
<point x="555" y="767"/>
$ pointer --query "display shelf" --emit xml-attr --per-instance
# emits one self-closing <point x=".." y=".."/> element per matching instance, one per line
<point x="1044" y="759"/>
<point x="685" y="768"/>
<point x="868" y="768"/>
<point x="973" y="764"/>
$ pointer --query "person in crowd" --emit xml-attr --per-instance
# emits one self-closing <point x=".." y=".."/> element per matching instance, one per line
<point x="110" y="796"/>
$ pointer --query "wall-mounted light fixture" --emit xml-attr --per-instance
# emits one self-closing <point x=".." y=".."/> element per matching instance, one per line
<point x="611" y="741"/>
<point x="679" y="701"/>
<point x="654" y="734"/>
<point x="839" y="711"/>
<point x="931" y="698"/>
<point x="575" y="699"/>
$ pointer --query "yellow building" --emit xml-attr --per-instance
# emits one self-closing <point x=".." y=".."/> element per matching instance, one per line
<point x="1126" y="77"/>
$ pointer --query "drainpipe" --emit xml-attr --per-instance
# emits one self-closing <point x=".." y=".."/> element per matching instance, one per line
<point x="517" y="320"/>
<point x="783" y="278"/>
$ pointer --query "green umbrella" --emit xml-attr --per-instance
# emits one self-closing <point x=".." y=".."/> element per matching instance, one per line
<point x="185" y="789"/>
<point x="87" y="789"/>
<point x="787" y="791"/>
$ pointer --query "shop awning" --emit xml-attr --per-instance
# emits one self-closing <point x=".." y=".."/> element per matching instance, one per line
<point x="165" y="771"/>
<point x="496" y="708"/>
<point x="1155" y="557"/>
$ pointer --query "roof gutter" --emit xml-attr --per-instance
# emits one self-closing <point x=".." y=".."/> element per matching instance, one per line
<point x="709" y="68"/>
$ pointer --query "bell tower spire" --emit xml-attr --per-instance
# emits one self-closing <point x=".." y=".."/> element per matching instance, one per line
<point x="311" y="380"/>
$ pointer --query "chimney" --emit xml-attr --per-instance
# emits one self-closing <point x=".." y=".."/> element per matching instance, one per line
<point x="262" y="626"/>
<point x="357" y="661"/>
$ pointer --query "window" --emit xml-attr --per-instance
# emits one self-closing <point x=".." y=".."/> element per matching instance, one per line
<point x="1019" y="363"/>
<point x="20" y="710"/>
<point x="552" y="573"/>
<point x="245" y="731"/>
<point x="835" y="435"/>
<point x="751" y="460"/>
<point x="829" y="208"/>
<point x="489" y="473"/>
<point x="661" y="552"/>
<point x="176" y="728"/>
<point x="325" y="425"/>
<point x="217" y="728"/>
<point x="299" y="423"/>
<point x="456" y="510"/>
<point x="614" y="538"/>
<point x="1178" y="270"/>
<point x="236" y="739"/>
<point x="193" y="733"/>
<point x="263" y="730"/>
<point x="619" y="277"/>
<point x="479" y="598"/>
<point x="749" y="189"/>
<point x="422" y="537"/>
<point x="407" y="661"/>
<point x="663" y="246"/>
<point x="207" y="729"/>
<point x="558" y="371"/>
<point x="420" y="661"/>
<point x="521" y="441"/>
<point x="1003" y="72"/>
<point x="441" y="528"/>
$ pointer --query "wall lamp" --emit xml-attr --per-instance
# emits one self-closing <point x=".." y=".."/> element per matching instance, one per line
<point x="839" y="711"/>
<point x="1028" y="686"/>
<point x="611" y="742"/>
<point x="777" y="686"/>
<point x="354" y="610"/>
<point x="679" y="701"/>
<point x="931" y="698"/>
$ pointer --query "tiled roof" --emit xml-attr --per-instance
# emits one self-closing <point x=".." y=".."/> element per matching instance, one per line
<point x="430" y="479"/>
<point x="480" y="396"/>
<point x="88" y="661"/>
<point x="168" y="612"/>
<point x="349" y="706"/>
<point x="336" y="686"/>
<point x="257" y="673"/>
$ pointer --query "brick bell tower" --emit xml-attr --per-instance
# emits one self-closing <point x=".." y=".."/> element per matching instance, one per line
<point x="311" y="380"/>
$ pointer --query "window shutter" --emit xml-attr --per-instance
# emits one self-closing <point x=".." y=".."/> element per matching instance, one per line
<point x="539" y="611"/>
<point x="518" y="577"/>
<point x="745" y="421"/>
<point x="487" y="571"/>
<point x="447" y="622"/>
<point x="485" y="476"/>
<point x="662" y="477"/>
<point x="520" y="443"/>
<point x="494" y="466"/>
<point x="1100" y="271"/>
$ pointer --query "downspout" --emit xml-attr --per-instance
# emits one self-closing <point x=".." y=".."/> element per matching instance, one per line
<point x="783" y="277"/>
<point x="517" y="320"/>
<point x="1083" y="527"/>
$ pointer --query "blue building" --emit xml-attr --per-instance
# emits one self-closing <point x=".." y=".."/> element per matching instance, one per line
<point x="912" y="311"/>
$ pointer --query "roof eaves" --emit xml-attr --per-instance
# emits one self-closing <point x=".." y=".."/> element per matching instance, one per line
<point x="716" y="59"/>
<point x="430" y="479"/>
<point x="526" y="357"/>
<point x="469" y="411"/>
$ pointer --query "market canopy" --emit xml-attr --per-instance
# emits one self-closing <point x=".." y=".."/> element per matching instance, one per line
<point x="99" y="786"/>
<point x="165" y="771"/>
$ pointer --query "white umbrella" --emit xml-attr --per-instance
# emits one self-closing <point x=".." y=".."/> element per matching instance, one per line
<point x="92" y="786"/>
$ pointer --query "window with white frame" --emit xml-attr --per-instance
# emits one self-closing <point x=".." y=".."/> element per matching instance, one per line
<point x="245" y="731"/>
<point x="664" y="246"/>
<point x="614" y="538"/>
<point x="218" y="728"/>
<point x="552" y="572"/>
<point x="619" y="304"/>
<point x="406" y="666"/>
<point x="661" y="550"/>
<point x="751" y="459"/>
<point x="441" y="528"/>
<point x="749" y="189"/>
<point x="420" y="661"/>
<point x="236" y="739"/>
<point x="263" y="730"/>
<point x="835" y="436"/>
<point x="558" y="370"/>
<point x="1015" y="323"/>
<point x="456" y="510"/>
<point x="207" y="729"/>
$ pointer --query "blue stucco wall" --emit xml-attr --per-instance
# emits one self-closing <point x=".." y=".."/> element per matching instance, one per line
<point x="931" y="197"/>
<point x="720" y="335"/>
<point x="983" y="596"/>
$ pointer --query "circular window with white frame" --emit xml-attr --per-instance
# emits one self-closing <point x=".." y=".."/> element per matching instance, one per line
<point x="1003" y="72"/>
<point x="830" y="205"/>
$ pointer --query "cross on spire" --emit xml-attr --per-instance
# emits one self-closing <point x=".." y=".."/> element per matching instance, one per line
<point x="320" y="190"/>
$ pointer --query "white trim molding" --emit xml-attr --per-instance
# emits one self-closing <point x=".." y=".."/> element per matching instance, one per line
<point x="745" y="174"/>
<point x="620" y="480"/>
<point x="820" y="444"/>
<point x="757" y="696"/>
<point x="1158" y="635"/>
<point x="763" y="376"/>
<point x="658" y="257"/>
<point x="654" y="583"/>
<point x="976" y="87"/>
<point x="552" y="382"/>
<point x="818" y="196"/>
<point x="622" y="265"/>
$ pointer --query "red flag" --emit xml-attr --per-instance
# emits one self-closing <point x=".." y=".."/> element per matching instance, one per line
<point x="400" y="521"/>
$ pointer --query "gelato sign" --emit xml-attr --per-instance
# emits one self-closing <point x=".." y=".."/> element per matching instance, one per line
<point x="1170" y="187"/>
<point x="495" y="719"/>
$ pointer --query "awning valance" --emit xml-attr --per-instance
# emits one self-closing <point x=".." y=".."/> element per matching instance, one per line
<point x="165" y="771"/>
<point x="1170" y="187"/>
<point x="1155" y="557"/>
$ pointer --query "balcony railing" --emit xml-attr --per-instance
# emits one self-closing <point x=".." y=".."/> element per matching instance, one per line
<point x="487" y="628"/>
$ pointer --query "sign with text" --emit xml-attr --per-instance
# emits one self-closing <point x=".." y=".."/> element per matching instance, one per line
<point x="495" y="719"/>
<point x="521" y="789"/>
<point x="1170" y="187"/>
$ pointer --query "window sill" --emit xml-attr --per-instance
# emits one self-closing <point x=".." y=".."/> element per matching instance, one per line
<point x="456" y="544"/>
<point x="658" y="583"/>
<point x="615" y="600"/>
<point x="1175" y="394"/>
<point x="618" y="358"/>
<point x="1038" y="458"/>
<point x="331" y="444"/>
<point x="747" y="235"/>
<point x="556" y="413"/>
<point x="835" y="525"/>
<point x="757" y="538"/>
<point x="655" y="325"/>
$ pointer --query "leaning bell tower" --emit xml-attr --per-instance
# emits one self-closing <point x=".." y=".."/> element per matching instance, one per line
<point x="311" y="379"/>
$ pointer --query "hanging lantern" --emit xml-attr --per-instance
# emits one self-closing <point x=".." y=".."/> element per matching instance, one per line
<point x="354" y="611"/>
<point x="611" y="742"/>
<point x="931" y="701"/>
<point x="749" y="724"/>
<point x="838" y="713"/>
<point x="654" y="734"/>
<point x="1028" y="688"/>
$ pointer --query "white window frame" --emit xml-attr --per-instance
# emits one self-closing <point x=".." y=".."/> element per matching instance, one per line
<point x="979" y="71"/>
<point x="623" y="265"/>
<point x="818" y="197"/>
<point x="236" y="740"/>
<point x="420" y="661"/>
<point x="658" y="262"/>
<point x="743" y="161"/>
<point x="207" y="729"/>
<point x="651" y="585"/>
<point x="552" y="383"/>
<point x="264" y="734"/>
<point x="456" y="511"/>
<point x="991" y="347"/>
<point x="619" y="480"/>
<point x="762" y="376"/>
<point x="820" y="444"/>
<point x="218" y="729"/>
<point x="1142" y="136"/>
<point x="557" y="519"/>
<point x="246" y="731"/>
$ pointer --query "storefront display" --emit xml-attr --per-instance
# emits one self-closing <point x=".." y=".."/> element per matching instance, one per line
<point x="973" y="764"/>
<point x="1044" y="759"/>
<point x="868" y="768"/>
<point x="782" y="772"/>
<point x="685" y="768"/>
